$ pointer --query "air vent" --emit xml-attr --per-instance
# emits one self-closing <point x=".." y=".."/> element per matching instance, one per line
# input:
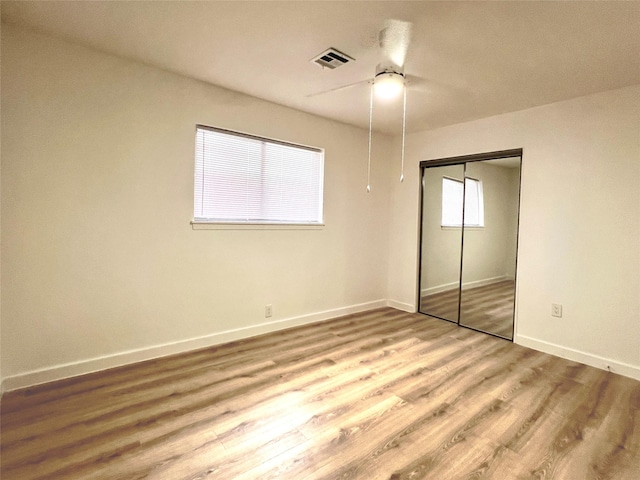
<point x="332" y="58"/>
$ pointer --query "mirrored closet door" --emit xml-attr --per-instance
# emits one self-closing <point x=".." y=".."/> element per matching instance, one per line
<point x="468" y="240"/>
<point x="441" y="246"/>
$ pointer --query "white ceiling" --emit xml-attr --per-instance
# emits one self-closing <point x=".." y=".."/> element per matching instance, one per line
<point x="476" y="58"/>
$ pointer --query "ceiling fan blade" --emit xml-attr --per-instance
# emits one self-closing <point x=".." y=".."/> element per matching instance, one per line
<point x="415" y="82"/>
<point x="394" y="41"/>
<point x="429" y="85"/>
<point x="341" y="87"/>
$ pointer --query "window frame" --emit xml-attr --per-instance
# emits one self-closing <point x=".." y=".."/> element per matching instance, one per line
<point x="204" y="223"/>
<point x="463" y="201"/>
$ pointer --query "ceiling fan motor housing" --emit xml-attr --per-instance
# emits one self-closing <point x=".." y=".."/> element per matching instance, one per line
<point x="388" y="84"/>
<point x="389" y="67"/>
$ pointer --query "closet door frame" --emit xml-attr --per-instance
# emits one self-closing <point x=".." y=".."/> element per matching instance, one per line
<point x="463" y="160"/>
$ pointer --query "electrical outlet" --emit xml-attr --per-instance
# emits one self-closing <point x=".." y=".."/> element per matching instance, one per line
<point x="556" y="310"/>
<point x="267" y="311"/>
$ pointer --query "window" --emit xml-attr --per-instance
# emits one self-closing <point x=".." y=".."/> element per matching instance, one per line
<point x="250" y="180"/>
<point x="452" y="195"/>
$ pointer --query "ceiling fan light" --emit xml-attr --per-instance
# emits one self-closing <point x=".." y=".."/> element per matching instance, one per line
<point x="388" y="85"/>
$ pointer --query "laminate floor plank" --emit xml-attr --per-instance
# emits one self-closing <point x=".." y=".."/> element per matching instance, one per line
<point x="126" y="420"/>
<point x="124" y="399"/>
<point x="379" y="395"/>
<point x="333" y="444"/>
<point x="488" y="308"/>
<point x="125" y="412"/>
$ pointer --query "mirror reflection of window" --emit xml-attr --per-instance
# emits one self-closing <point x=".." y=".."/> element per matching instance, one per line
<point x="452" y="195"/>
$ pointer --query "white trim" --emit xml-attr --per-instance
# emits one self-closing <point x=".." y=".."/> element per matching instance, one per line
<point x="405" y="307"/>
<point x="597" y="361"/>
<point x="458" y="227"/>
<point x="474" y="284"/>
<point x="82" y="367"/>
<point x="203" y="225"/>
<point x="439" y="288"/>
<point x="485" y="281"/>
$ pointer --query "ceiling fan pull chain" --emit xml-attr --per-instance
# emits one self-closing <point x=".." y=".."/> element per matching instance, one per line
<point x="370" y="128"/>
<point x="404" y="123"/>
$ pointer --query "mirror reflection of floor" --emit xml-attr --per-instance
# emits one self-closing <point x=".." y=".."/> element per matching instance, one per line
<point x="442" y="304"/>
<point x="488" y="308"/>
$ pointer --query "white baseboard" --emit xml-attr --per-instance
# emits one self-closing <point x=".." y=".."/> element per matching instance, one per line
<point x="59" y="372"/>
<point x="581" y="357"/>
<point x="405" y="307"/>
<point x="484" y="281"/>
<point x="438" y="288"/>
<point x="82" y="367"/>
<point x="465" y="285"/>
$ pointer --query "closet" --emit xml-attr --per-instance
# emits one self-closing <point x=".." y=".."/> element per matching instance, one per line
<point x="468" y="240"/>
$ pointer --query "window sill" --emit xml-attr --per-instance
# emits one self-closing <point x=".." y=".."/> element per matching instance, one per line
<point x="467" y="227"/>
<point x="199" y="225"/>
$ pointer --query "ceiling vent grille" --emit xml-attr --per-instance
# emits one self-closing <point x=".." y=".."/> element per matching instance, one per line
<point x="332" y="58"/>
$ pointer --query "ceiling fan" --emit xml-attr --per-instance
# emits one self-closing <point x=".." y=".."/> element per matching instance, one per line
<point x="389" y="80"/>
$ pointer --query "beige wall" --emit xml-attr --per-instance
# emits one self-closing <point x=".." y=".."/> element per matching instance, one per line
<point x="512" y="210"/>
<point x="99" y="258"/>
<point x="579" y="222"/>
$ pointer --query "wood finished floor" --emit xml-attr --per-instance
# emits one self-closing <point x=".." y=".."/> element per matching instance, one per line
<point x="488" y="308"/>
<point x="378" y="395"/>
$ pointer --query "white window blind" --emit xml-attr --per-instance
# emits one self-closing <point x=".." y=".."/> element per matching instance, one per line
<point x="452" y="191"/>
<point x="245" y="179"/>
<point x="452" y="198"/>
<point x="473" y="203"/>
